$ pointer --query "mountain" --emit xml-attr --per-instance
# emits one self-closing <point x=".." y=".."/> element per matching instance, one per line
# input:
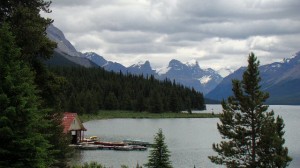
<point x="137" y="69"/>
<point x="101" y="62"/>
<point x="65" y="53"/>
<point x="280" y="79"/>
<point x="141" y="68"/>
<point x="190" y="74"/>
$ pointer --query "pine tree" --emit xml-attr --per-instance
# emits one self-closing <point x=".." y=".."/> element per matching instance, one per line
<point x="159" y="155"/>
<point x="253" y="138"/>
<point x="111" y="102"/>
<point x="174" y="102"/>
<point x="28" y="28"/>
<point x="22" y="142"/>
<point x="155" y="102"/>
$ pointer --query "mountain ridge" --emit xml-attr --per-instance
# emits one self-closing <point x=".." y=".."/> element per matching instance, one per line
<point x="280" y="79"/>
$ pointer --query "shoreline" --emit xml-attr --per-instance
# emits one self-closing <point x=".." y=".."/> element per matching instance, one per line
<point x="118" y="114"/>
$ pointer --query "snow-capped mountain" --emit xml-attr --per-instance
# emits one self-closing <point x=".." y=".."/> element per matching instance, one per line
<point x="97" y="59"/>
<point x="141" y="68"/>
<point x="280" y="79"/>
<point x="101" y="62"/>
<point x="190" y="74"/>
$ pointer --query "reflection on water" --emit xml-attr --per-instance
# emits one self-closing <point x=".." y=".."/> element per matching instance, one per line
<point x="189" y="140"/>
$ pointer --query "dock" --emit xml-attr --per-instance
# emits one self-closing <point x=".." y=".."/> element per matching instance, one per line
<point x="93" y="143"/>
<point x="88" y="146"/>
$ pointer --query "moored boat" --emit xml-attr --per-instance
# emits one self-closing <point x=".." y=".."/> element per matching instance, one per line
<point x="139" y="148"/>
<point x="88" y="147"/>
<point x="136" y="142"/>
<point x="109" y="143"/>
<point x="123" y="148"/>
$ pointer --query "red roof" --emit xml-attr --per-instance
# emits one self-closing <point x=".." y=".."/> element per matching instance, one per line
<point x="68" y="119"/>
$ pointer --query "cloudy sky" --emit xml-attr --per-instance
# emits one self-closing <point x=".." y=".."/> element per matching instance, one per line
<point x="216" y="33"/>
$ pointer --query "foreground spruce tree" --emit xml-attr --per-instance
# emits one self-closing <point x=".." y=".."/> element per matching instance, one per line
<point x="252" y="136"/>
<point x="159" y="156"/>
<point x="29" y="30"/>
<point x="22" y="144"/>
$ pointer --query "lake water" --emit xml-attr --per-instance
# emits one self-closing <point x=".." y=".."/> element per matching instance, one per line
<point x="189" y="140"/>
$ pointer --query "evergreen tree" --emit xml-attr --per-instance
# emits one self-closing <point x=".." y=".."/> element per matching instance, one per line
<point x="159" y="155"/>
<point x="22" y="144"/>
<point x="140" y="104"/>
<point x="174" y="102"/>
<point x="28" y="29"/>
<point x="90" y="89"/>
<point x="155" y="102"/>
<point x="253" y="138"/>
<point x="111" y="102"/>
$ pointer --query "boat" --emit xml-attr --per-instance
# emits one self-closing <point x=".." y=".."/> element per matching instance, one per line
<point x="139" y="148"/>
<point x="109" y="143"/>
<point x="123" y="148"/>
<point x="91" y="139"/>
<point x="88" y="147"/>
<point x="103" y="147"/>
<point x="137" y="142"/>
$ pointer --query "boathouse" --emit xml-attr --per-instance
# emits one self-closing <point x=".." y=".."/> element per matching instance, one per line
<point x="73" y="126"/>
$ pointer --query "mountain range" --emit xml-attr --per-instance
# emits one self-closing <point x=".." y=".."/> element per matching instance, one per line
<point x="188" y="74"/>
<point x="280" y="79"/>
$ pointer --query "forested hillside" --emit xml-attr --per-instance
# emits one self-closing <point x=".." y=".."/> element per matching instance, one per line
<point x="88" y="90"/>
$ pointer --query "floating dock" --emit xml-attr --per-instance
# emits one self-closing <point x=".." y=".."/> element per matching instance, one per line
<point x="93" y="143"/>
<point x="88" y="146"/>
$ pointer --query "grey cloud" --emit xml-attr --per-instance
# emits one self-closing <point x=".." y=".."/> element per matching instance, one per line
<point x="151" y="27"/>
<point x="140" y="49"/>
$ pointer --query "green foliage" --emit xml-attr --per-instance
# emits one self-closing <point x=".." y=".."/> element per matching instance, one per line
<point x="89" y="89"/>
<point x="253" y="137"/>
<point x="90" y="165"/>
<point x="109" y="114"/>
<point x="159" y="155"/>
<point x="28" y="29"/>
<point x="111" y="102"/>
<point x="22" y="142"/>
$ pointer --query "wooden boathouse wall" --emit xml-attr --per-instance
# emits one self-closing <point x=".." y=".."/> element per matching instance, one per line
<point x="73" y="126"/>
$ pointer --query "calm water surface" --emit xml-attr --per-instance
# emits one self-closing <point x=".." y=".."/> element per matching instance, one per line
<point x="189" y="140"/>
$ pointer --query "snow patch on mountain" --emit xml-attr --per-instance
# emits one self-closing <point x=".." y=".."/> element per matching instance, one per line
<point x="205" y="79"/>
<point x="163" y="70"/>
<point x="276" y="66"/>
<point x="192" y="63"/>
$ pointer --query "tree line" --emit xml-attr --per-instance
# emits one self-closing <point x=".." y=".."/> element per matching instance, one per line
<point x="86" y="90"/>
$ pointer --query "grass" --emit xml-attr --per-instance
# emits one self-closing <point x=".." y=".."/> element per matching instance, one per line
<point x="105" y="114"/>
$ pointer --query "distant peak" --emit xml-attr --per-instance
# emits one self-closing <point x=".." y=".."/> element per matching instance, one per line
<point x="192" y="63"/>
<point x="142" y="64"/>
<point x="174" y="62"/>
<point x="90" y="53"/>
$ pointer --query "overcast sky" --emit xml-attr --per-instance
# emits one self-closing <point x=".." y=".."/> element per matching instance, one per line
<point x="216" y="33"/>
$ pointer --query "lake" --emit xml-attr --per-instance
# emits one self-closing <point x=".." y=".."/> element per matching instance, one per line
<point x="189" y="140"/>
